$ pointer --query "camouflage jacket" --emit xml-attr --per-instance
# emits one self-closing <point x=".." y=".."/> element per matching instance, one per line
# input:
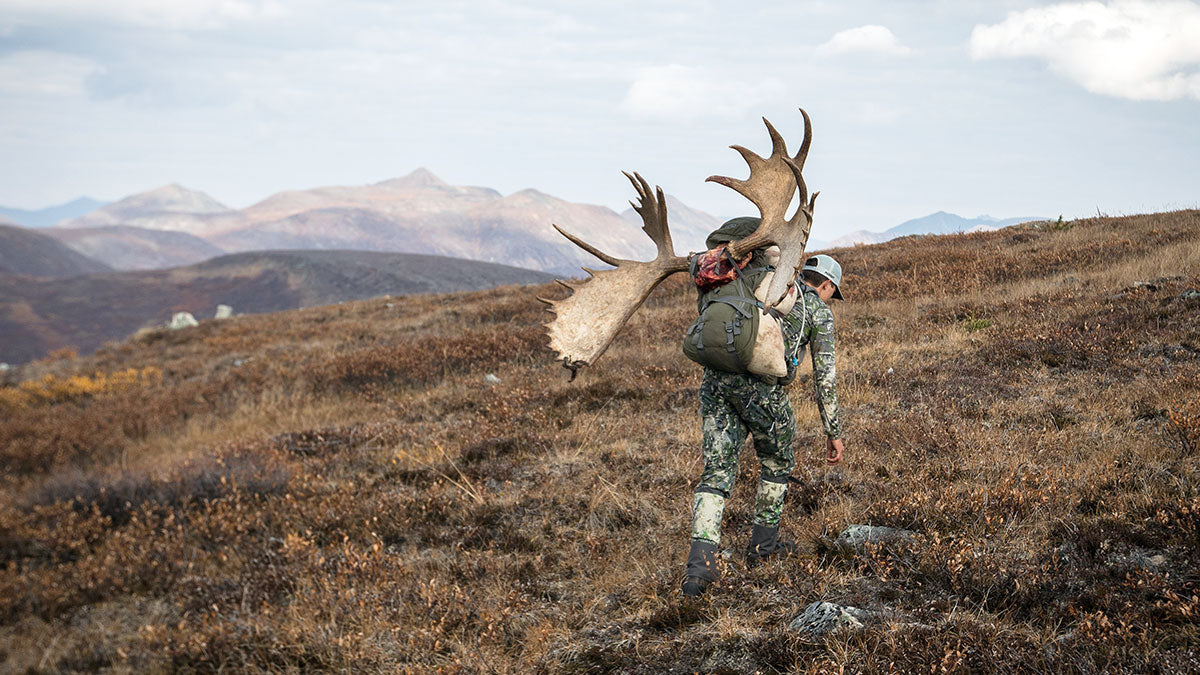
<point x="811" y="323"/>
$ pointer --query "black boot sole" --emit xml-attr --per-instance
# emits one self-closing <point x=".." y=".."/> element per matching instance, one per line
<point x="694" y="587"/>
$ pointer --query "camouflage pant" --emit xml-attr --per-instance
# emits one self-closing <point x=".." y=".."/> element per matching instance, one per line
<point x="733" y="406"/>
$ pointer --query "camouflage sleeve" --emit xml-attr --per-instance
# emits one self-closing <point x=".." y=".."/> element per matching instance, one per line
<point x="824" y="368"/>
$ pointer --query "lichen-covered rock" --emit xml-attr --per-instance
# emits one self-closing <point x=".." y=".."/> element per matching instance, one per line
<point x="823" y="618"/>
<point x="182" y="320"/>
<point x="854" y="538"/>
<point x="729" y="660"/>
<point x="1138" y="558"/>
<point x="223" y="312"/>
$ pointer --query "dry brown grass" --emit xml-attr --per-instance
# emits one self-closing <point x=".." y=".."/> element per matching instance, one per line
<point x="338" y="489"/>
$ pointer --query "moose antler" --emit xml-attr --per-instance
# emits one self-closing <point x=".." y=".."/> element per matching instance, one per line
<point x="770" y="187"/>
<point x="586" y="321"/>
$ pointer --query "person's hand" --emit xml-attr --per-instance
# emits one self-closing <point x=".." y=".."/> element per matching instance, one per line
<point x="833" y="450"/>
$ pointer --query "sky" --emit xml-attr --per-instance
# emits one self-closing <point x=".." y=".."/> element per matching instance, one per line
<point x="1006" y="108"/>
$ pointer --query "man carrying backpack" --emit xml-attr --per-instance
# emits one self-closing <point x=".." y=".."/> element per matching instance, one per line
<point x="734" y="404"/>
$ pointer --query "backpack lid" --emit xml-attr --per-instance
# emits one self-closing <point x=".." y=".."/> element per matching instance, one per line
<point x="732" y="230"/>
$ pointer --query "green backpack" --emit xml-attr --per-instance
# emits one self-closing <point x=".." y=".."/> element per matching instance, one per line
<point x="723" y="336"/>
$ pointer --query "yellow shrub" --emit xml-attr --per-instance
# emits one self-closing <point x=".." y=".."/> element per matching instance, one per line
<point x="53" y="389"/>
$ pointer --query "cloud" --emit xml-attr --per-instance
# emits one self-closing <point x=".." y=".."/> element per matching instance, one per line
<point x="1134" y="49"/>
<point x="175" y="14"/>
<point x="44" y="73"/>
<point x="864" y="39"/>
<point x="676" y="92"/>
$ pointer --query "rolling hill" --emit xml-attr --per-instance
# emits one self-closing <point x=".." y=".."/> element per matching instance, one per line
<point x="29" y="253"/>
<point x="40" y="315"/>
<point x="125" y="247"/>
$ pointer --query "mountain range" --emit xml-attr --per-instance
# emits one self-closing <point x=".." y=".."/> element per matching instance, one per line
<point x="51" y="214"/>
<point x="417" y="213"/>
<point x="935" y="223"/>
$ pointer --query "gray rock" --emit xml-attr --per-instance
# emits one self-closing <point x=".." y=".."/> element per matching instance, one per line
<point x="1138" y="558"/>
<point x="1170" y="352"/>
<point x="1066" y="554"/>
<point x="854" y="538"/>
<point x="1191" y="294"/>
<point x="729" y="660"/>
<point x="182" y="320"/>
<point x="4" y="367"/>
<point x="824" y="618"/>
<point x="223" y="312"/>
<point x="491" y="379"/>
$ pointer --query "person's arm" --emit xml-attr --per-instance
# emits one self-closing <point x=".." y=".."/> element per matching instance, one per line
<point x="821" y="344"/>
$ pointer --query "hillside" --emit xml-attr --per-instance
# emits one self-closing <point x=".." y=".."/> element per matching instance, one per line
<point x="124" y="247"/>
<point x="37" y="316"/>
<point x="29" y="253"/>
<point x="340" y="488"/>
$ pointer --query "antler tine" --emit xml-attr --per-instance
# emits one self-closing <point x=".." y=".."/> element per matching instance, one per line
<point x="637" y="185"/>
<point x="753" y="159"/>
<point x="588" y="247"/>
<point x="778" y="146"/>
<point x="802" y="153"/>
<point x="666" y="247"/>
<point x="652" y="207"/>
<point x="796" y="171"/>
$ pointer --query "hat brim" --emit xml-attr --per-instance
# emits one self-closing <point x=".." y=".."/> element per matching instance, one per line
<point x="837" y="293"/>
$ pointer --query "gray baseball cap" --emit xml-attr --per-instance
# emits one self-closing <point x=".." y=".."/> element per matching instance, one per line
<point x="828" y="268"/>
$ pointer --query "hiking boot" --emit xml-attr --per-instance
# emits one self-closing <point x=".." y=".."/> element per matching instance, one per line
<point x="764" y="543"/>
<point x="694" y="587"/>
<point x="701" y="569"/>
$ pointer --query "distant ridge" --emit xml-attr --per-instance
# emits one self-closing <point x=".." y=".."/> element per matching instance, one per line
<point x="30" y="253"/>
<point x="39" y="315"/>
<point x="125" y="247"/>
<point x="170" y="207"/>
<point x="421" y="177"/>
<point x="940" y="222"/>
<point x="51" y="214"/>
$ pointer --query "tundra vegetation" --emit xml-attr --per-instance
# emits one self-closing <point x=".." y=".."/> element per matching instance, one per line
<point x="342" y="488"/>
